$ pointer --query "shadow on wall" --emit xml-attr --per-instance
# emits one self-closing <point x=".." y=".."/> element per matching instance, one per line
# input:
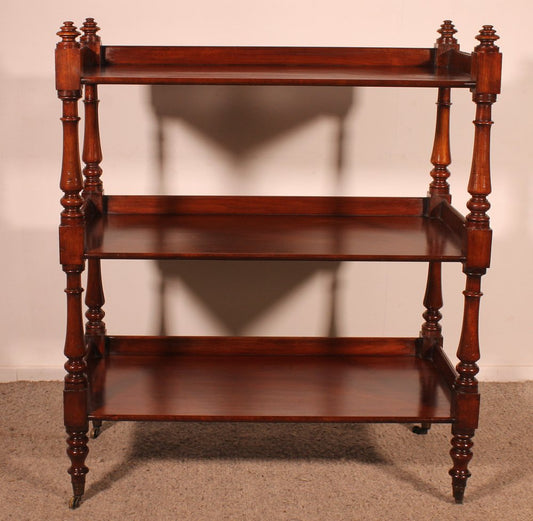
<point x="240" y="119"/>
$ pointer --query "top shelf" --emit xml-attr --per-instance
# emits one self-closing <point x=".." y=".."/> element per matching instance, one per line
<point x="394" y="67"/>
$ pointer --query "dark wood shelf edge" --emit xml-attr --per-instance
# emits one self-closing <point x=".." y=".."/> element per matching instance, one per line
<point x="335" y="206"/>
<point x="259" y="346"/>
<point x="281" y="56"/>
<point x="266" y="419"/>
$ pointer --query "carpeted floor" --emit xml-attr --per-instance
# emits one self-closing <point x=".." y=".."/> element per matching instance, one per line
<point x="263" y="472"/>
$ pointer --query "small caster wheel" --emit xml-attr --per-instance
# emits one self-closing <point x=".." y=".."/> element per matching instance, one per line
<point x="97" y="426"/>
<point x="420" y="429"/>
<point x="74" y="502"/>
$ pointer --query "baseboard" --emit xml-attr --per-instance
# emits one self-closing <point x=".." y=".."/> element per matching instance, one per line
<point x="31" y="373"/>
<point x="506" y="373"/>
<point x="491" y="373"/>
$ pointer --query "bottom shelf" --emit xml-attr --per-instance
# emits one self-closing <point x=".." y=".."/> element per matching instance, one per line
<point x="215" y="379"/>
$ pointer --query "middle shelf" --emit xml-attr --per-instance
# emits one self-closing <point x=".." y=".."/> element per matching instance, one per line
<point x="283" y="228"/>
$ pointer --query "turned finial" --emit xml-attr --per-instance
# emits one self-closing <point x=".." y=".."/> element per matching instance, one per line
<point x="68" y="32"/>
<point x="447" y="30"/>
<point x="487" y="36"/>
<point x="89" y="29"/>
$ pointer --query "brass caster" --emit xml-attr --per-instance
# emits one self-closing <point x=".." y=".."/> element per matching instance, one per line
<point x="74" y="502"/>
<point x="95" y="432"/>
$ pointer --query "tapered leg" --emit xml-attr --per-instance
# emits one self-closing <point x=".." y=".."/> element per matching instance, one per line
<point x="461" y="456"/>
<point x="466" y="399"/>
<point x="77" y="451"/>
<point x="75" y="393"/>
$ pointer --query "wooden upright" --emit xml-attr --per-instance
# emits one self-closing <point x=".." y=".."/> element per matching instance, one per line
<point x="362" y="379"/>
<point x="71" y="247"/>
<point x="486" y="68"/>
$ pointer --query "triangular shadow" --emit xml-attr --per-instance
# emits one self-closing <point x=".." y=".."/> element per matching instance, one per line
<point x="238" y="292"/>
<point x="240" y="118"/>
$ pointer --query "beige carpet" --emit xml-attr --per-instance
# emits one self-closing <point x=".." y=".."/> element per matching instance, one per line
<point x="178" y="471"/>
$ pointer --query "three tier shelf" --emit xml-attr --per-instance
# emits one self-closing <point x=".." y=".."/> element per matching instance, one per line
<point x="272" y="379"/>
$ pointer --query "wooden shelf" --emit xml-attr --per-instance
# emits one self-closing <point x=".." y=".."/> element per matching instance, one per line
<point x="277" y="66"/>
<point x="388" y="229"/>
<point x="300" y="379"/>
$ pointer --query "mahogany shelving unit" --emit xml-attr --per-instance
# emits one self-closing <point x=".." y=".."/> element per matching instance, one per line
<point x="304" y="379"/>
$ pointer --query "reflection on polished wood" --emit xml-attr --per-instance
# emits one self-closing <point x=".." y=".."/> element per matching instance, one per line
<point x="393" y="231"/>
<point x="294" y="386"/>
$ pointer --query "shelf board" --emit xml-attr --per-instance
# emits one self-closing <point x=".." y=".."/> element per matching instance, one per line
<point x="254" y="387"/>
<point x="363" y="229"/>
<point x="358" y="66"/>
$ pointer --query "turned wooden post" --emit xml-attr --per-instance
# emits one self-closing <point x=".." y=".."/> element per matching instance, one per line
<point x="440" y="156"/>
<point x="93" y="188"/>
<point x="71" y="257"/>
<point x="92" y="151"/>
<point x="439" y="189"/>
<point x="431" y="331"/>
<point x="486" y="68"/>
<point x="95" y="329"/>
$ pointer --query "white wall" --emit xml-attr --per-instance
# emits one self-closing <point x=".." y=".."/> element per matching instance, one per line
<point x="387" y="148"/>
